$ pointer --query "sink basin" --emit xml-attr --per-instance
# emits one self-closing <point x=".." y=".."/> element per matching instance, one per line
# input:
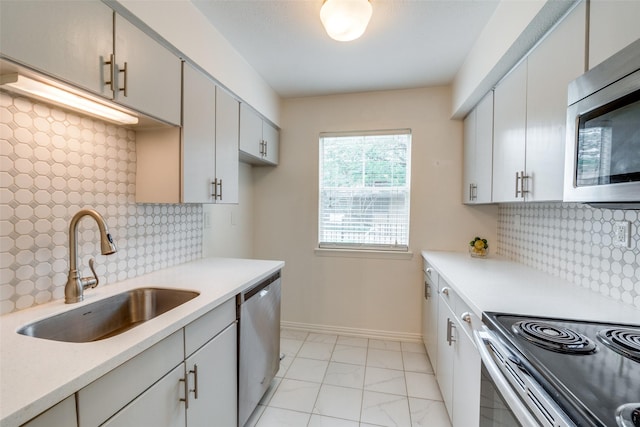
<point x="108" y="317"/>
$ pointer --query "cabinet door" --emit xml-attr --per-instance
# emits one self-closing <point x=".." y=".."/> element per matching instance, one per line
<point x="469" y="172"/>
<point x="151" y="82"/>
<point x="213" y="380"/>
<point x="484" y="150"/>
<point x="198" y="136"/>
<point x="271" y="136"/>
<point x="69" y="40"/>
<point x="547" y="104"/>
<point x="160" y="405"/>
<point x="613" y="25"/>
<point x="430" y="322"/>
<point x="466" y="383"/>
<point x="62" y="414"/>
<point x="227" y="134"/>
<point x="446" y="350"/>
<point x="250" y="132"/>
<point x="510" y="113"/>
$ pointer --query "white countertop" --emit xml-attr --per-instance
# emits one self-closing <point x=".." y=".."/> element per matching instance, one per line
<point x="35" y="374"/>
<point x="496" y="284"/>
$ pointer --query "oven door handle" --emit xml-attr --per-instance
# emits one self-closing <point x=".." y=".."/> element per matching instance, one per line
<point x="510" y="396"/>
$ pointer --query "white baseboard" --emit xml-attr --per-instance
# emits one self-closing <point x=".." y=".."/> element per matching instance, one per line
<point x="353" y="332"/>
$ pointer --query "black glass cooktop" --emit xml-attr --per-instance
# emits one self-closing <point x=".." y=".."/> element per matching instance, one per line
<point x="591" y="369"/>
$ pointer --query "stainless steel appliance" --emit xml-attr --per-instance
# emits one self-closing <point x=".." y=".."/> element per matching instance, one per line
<point x="555" y="373"/>
<point x="602" y="161"/>
<point x="259" y="343"/>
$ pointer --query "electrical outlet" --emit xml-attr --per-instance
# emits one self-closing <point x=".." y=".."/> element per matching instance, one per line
<point x="622" y="234"/>
<point x="206" y="220"/>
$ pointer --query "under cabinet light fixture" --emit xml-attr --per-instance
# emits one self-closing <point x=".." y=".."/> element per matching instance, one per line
<point x="27" y="86"/>
<point x="345" y="20"/>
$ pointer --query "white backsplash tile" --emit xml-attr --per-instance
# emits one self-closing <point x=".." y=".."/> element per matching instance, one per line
<point x="574" y="242"/>
<point x="54" y="163"/>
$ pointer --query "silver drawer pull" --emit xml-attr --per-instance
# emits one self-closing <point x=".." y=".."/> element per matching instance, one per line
<point x="445" y="291"/>
<point x="466" y="317"/>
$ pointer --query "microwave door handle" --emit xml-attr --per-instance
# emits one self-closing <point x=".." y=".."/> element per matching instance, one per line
<point x="510" y="396"/>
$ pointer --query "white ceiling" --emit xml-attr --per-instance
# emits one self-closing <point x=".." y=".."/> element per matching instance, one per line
<point x="409" y="43"/>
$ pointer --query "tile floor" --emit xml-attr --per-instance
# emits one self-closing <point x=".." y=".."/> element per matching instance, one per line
<point x="338" y="381"/>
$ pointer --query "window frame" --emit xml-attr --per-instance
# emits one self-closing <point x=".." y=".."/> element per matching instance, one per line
<point x="342" y="247"/>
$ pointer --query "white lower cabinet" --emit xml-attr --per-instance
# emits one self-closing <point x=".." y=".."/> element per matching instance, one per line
<point x="459" y="362"/>
<point x="187" y="379"/>
<point x="62" y="414"/>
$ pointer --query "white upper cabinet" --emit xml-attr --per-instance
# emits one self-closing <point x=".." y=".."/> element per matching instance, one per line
<point x="65" y="39"/>
<point x="259" y="140"/>
<point x="613" y="25"/>
<point x="227" y="141"/>
<point x="530" y="115"/>
<point x="558" y="60"/>
<point x="510" y="115"/>
<point x="146" y="75"/>
<point x="74" y="41"/>
<point x="478" y="152"/>
<point x="198" y="136"/>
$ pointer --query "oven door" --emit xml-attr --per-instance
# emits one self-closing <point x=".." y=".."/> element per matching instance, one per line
<point x="510" y="396"/>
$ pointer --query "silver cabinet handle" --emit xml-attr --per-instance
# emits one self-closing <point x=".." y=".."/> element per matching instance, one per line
<point x="429" y="270"/>
<point x="445" y="291"/>
<point x="124" y="85"/>
<point x="450" y="328"/>
<point x="194" y="371"/>
<point x="427" y="290"/>
<point x="474" y="193"/>
<point x="220" y="184"/>
<point x="214" y="183"/>
<point x="185" y="381"/>
<point x="466" y="317"/>
<point x="266" y="148"/>
<point x="524" y="183"/>
<point x="517" y="186"/>
<point x="111" y="63"/>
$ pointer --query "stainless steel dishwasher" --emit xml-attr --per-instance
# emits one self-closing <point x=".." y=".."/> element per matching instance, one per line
<point x="259" y="343"/>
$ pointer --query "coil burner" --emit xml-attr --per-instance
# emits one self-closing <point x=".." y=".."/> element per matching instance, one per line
<point x="623" y="341"/>
<point x="554" y="338"/>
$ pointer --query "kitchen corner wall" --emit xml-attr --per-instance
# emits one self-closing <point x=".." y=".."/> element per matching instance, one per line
<point x="573" y="242"/>
<point x="54" y="163"/>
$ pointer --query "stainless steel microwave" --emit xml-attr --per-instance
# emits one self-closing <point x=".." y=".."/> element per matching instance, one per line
<point x="602" y="161"/>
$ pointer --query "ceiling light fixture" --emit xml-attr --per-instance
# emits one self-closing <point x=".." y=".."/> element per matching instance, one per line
<point x="345" y="20"/>
<point x="49" y="93"/>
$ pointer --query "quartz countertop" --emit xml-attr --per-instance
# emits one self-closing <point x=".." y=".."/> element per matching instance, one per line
<point x="499" y="285"/>
<point x="36" y="374"/>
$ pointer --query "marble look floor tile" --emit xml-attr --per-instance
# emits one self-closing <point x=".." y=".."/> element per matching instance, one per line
<point x="416" y="362"/>
<point x="290" y="347"/>
<point x="384" y="345"/>
<point x="384" y="359"/>
<point x="266" y="398"/>
<point x="345" y="375"/>
<point x="293" y="334"/>
<point x="339" y="402"/>
<point x="255" y="416"/>
<point x="428" y="413"/>
<point x="353" y="341"/>
<point x="423" y="386"/>
<point x="307" y="370"/>
<point x="413" y="347"/>
<point x="295" y="395"/>
<point x="321" y="421"/>
<point x="324" y="338"/>
<point x="276" y="417"/>
<point x="385" y="381"/>
<point x="385" y="409"/>
<point x="349" y="354"/>
<point x="316" y="350"/>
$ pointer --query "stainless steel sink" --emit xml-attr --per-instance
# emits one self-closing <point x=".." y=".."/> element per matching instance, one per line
<point x="108" y="317"/>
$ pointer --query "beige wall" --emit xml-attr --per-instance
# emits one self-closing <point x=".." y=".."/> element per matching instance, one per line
<point x="229" y="232"/>
<point x="363" y="293"/>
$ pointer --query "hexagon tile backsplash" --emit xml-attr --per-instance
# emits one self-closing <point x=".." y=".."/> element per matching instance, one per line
<point x="54" y="163"/>
<point x="574" y="242"/>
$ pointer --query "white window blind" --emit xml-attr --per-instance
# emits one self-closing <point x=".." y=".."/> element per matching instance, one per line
<point x="364" y="190"/>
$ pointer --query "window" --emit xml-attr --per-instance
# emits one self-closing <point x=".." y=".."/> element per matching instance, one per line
<point x="364" y="190"/>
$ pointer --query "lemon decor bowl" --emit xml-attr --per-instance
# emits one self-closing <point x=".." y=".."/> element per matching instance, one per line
<point x="479" y="248"/>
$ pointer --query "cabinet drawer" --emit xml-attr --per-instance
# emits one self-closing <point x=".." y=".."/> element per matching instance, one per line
<point x="447" y="293"/>
<point x="430" y="272"/>
<point x="201" y="330"/>
<point x="466" y="318"/>
<point x="109" y="393"/>
<point x="62" y="414"/>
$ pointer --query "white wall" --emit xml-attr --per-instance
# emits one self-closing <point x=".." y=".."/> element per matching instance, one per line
<point x="230" y="230"/>
<point x="363" y="293"/>
<point x="186" y="28"/>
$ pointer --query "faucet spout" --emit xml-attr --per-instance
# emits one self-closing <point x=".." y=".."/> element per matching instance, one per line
<point x="74" y="289"/>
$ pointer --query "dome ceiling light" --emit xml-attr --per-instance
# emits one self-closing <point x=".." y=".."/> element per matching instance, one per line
<point x="345" y="20"/>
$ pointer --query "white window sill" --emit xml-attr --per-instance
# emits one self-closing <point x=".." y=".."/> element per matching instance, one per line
<point x="363" y="253"/>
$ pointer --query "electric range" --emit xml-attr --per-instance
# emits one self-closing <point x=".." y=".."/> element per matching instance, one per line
<point x="563" y="372"/>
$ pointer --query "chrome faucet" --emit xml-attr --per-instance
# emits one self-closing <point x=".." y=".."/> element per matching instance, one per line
<point x="74" y="289"/>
